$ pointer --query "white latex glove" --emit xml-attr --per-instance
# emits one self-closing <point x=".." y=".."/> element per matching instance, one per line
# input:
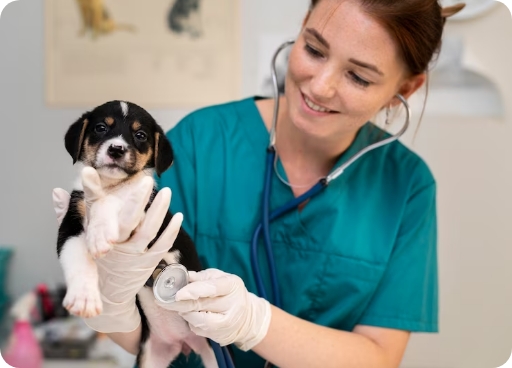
<point x="124" y="270"/>
<point x="218" y="306"/>
<point x="60" y="203"/>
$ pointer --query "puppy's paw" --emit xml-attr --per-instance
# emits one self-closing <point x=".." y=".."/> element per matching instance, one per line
<point x="83" y="299"/>
<point x="100" y="238"/>
<point x="98" y="244"/>
<point x="102" y="231"/>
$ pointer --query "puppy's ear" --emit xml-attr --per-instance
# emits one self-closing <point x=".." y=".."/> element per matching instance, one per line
<point x="75" y="137"/>
<point x="163" y="153"/>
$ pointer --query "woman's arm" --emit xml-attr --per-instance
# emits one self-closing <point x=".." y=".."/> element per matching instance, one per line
<point x="129" y="341"/>
<point x="293" y="342"/>
<point x="218" y="306"/>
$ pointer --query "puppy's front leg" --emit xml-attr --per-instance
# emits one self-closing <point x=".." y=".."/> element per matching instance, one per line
<point x="81" y="274"/>
<point x="103" y="225"/>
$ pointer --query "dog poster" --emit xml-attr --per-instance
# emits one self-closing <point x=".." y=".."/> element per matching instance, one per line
<point x="158" y="53"/>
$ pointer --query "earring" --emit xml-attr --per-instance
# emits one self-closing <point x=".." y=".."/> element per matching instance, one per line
<point x="387" y="115"/>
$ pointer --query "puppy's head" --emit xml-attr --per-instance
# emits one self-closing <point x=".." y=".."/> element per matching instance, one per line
<point x="119" y="139"/>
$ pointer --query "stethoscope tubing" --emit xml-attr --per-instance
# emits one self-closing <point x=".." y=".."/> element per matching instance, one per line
<point x="222" y="355"/>
<point x="267" y="217"/>
<point x="275" y="84"/>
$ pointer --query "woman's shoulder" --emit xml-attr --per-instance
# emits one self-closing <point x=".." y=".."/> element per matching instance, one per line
<point x="401" y="163"/>
<point x="411" y="166"/>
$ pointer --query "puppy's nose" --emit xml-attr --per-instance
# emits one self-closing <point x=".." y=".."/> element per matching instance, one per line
<point x="115" y="151"/>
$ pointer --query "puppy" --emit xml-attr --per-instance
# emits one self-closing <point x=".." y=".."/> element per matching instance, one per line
<point x="97" y="20"/>
<point x="124" y="144"/>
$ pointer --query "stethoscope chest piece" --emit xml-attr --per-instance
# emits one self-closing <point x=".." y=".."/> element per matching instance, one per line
<point x="169" y="281"/>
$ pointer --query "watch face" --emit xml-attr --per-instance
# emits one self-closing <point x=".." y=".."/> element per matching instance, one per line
<point x="472" y="9"/>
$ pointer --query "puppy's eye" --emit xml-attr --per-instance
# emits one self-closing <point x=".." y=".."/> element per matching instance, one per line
<point x="141" y="136"/>
<point x="100" y="128"/>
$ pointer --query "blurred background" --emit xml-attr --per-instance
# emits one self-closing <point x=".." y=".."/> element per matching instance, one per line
<point x="52" y="70"/>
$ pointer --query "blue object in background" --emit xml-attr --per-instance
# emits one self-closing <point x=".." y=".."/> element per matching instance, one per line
<point x="5" y="257"/>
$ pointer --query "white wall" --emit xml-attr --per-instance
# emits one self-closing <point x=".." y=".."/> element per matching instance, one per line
<point x="470" y="158"/>
<point x="472" y="161"/>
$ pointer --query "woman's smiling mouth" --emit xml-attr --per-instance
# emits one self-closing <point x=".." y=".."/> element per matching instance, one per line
<point x="315" y="107"/>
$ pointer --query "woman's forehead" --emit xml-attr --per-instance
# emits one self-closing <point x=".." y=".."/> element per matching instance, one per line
<point x="339" y="17"/>
<point x="348" y="28"/>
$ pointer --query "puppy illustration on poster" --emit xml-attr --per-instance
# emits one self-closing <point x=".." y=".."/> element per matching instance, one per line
<point x="159" y="53"/>
<point x="185" y="18"/>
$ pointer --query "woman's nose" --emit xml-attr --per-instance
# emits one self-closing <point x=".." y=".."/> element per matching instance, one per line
<point x="324" y="84"/>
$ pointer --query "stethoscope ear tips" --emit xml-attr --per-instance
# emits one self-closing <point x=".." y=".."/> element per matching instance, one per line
<point x="169" y="281"/>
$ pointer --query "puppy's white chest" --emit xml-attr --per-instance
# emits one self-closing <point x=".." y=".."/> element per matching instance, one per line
<point x="124" y="190"/>
<point x="107" y="223"/>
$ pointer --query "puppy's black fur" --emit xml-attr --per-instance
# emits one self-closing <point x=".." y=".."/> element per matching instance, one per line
<point x="71" y="224"/>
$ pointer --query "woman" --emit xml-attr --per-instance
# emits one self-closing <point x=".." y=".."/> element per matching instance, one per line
<point x="357" y="264"/>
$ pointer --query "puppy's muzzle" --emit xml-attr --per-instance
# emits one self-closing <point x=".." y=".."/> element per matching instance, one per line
<point x="116" y="151"/>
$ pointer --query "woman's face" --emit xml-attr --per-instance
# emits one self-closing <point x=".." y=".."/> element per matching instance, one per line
<point x="343" y="68"/>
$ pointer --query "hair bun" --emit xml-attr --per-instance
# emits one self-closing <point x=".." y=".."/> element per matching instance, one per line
<point x="449" y="11"/>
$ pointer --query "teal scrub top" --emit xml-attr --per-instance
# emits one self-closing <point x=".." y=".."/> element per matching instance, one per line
<point x="363" y="251"/>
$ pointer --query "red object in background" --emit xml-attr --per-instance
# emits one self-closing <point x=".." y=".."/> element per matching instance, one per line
<point x="47" y="307"/>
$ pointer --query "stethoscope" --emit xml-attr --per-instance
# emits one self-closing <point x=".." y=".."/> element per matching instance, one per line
<point x="173" y="277"/>
<point x="166" y="281"/>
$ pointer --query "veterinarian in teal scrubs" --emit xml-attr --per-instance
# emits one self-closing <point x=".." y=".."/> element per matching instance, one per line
<point x="356" y="264"/>
<point x="361" y="253"/>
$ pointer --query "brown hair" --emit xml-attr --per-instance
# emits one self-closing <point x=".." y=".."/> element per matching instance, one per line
<point x="416" y="25"/>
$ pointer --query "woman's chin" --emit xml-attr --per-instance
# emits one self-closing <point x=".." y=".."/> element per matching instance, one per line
<point x="311" y="128"/>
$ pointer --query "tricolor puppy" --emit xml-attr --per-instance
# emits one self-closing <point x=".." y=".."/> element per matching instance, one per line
<point x="124" y="144"/>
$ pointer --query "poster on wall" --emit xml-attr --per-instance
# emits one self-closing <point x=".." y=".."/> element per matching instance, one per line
<point x="158" y="53"/>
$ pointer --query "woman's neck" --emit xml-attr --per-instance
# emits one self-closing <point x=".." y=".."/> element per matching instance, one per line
<point x="305" y="159"/>
<point x="307" y="153"/>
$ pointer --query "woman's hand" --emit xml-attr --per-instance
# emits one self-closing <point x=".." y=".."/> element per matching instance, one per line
<point x="218" y="306"/>
<point x="124" y="270"/>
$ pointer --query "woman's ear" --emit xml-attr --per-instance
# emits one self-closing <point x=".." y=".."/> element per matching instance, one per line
<point x="74" y="137"/>
<point x="163" y="153"/>
<point x="409" y="86"/>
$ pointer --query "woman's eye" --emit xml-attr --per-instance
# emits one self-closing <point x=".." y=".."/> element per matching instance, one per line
<point x="357" y="79"/>
<point x="141" y="136"/>
<point x="100" y="128"/>
<point x="312" y="51"/>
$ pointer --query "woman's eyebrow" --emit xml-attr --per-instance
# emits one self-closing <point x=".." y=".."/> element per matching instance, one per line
<point x="367" y="66"/>
<point x="318" y="36"/>
<point x="313" y="32"/>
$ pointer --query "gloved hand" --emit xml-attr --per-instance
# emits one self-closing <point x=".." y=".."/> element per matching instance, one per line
<point x="60" y="203"/>
<point x="218" y="306"/>
<point x="124" y="270"/>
